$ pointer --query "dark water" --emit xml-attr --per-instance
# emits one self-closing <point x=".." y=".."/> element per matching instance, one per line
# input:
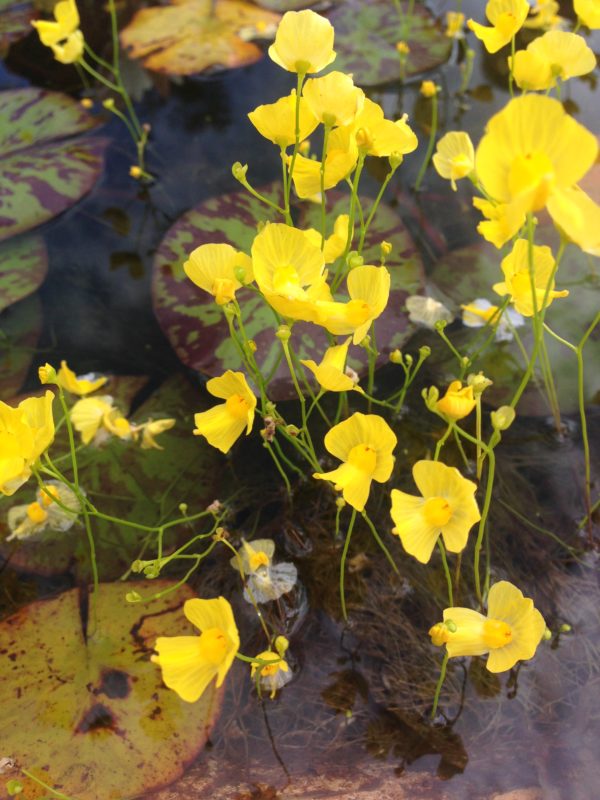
<point x="353" y="723"/>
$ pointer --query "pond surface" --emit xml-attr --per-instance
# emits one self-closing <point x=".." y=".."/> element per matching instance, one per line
<point x="353" y="722"/>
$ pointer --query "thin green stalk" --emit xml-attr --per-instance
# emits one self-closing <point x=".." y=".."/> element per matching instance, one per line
<point x="511" y="76"/>
<point x="343" y="563"/>
<point x="280" y="469"/>
<point x="299" y="83"/>
<point x="442" y="550"/>
<point x="301" y="398"/>
<point x="438" y="688"/>
<point x="286" y="460"/>
<point x="431" y="143"/>
<point x="377" y="201"/>
<point x="379" y="541"/>
<point x="326" y="133"/>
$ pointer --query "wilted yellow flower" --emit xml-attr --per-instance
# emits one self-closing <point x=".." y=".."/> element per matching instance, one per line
<point x="330" y="373"/>
<point x="62" y="35"/>
<point x="458" y="402"/>
<point x="342" y="154"/>
<point x="303" y="42"/>
<point x="333" y="99"/>
<point x="190" y="663"/>
<point x="588" y="12"/>
<point x="517" y="279"/>
<point x="454" y="157"/>
<point x="149" y="430"/>
<point x="219" y="269"/>
<point x="30" y="520"/>
<point x="335" y="245"/>
<point x="272" y="676"/>
<point x="93" y="415"/>
<point x="264" y="581"/>
<point x="223" y="424"/>
<point x="377" y="136"/>
<point x="447" y="508"/>
<point x="76" y="384"/>
<point x="506" y="17"/>
<point x="253" y="555"/>
<point x="365" y="443"/>
<point x="25" y="432"/>
<point x="369" y="290"/>
<point x="511" y="631"/>
<point x="531" y="157"/>
<point x="277" y="121"/>
<point x="428" y="89"/>
<point x="555" y="55"/>
<point x="454" y="24"/>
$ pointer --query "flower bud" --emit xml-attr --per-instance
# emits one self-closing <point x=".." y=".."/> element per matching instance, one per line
<point x="565" y="628"/>
<point x="386" y="248"/>
<point x="239" y="172"/>
<point x="431" y="396"/>
<point x="86" y="102"/>
<point x="133" y="597"/>
<point x="353" y="259"/>
<point x="109" y="103"/>
<point x="14" y="787"/>
<point x="47" y="374"/>
<point x="502" y="418"/>
<point x="424" y="351"/>
<point x="240" y="274"/>
<point x="402" y="48"/>
<point x="428" y="89"/>
<point x="292" y="430"/>
<point x="395" y="159"/>
<point x="252" y="346"/>
<point x="479" y="383"/>
<point x="281" y="645"/>
<point x="135" y="172"/>
<point x="408" y="359"/>
<point x="183" y="507"/>
<point x="547" y="635"/>
<point x="340" y="502"/>
<point x="395" y="356"/>
<point x="283" y="333"/>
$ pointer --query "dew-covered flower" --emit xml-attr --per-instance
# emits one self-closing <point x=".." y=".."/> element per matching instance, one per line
<point x="31" y="520"/>
<point x="219" y="269"/>
<point x="506" y="18"/>
<point x="454" y="157"/>
<point x="331" y="371"/>
<point x="273" y="676"/>
<point x="447" y="507"/>
<point x="481" y="312"/>
<point x="427" y="311"/>
<point x="364" y="443"/>
<point x="190" y="663"/>
<point x="510" y="632"/>
<point x="557" y="55"/>
<point x="25" y="433"/>
<point x="223" y="424"/>
<point x="277" y="121"/>
<point x="303" y="42"/>
<point x="62" y="35"/>
<point x="264" y="580"/>
<point x="458" y="402"/>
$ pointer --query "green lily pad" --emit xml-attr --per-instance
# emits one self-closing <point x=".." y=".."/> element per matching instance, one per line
<point x="196" y="326"/>
<point x="101" y="724"/>
<point x="366" y="35"/>
<point x="15" y="22"/>
<point x="23" y="266"/>
<point x="124" y="481"/>
<point x="42" y="173"/>
<point x="20" y="329"/>
<point x="190" y="36"/>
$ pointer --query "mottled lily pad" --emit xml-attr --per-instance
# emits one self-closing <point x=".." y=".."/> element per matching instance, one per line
<point x="185" y="38"/>
<point x="23" y="265"/>
<point x="196" y="326"/>
<point x="124" y="481"/>
<point x="20" y="329"/>
<point x="100" y="722"/>
<point x="366" y="35"/>
<point x="15" y="22"/>
<point x="42" y="173"/>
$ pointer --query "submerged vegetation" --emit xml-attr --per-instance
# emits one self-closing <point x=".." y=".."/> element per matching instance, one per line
<point x="387" y="469"/>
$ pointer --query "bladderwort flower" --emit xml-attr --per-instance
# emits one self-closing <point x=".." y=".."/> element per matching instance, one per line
<point x="335" y="245"/>
<point x="149" y="431"/>
<point x="454" y="157"/>
<point x="97" y="418"/>
<point x="588" y="12"/>
<point x="331" y="371"/>
<point x="272" y="676"/>
<point x="264" y="580"/>
<point x="223" y="424"/>
<point x="427" y="311"/>
<point x="457" y="403"/>
<point x="544" y="16"/>
<point x="277" y="121"/>
<point x="303" y="42"/>
<point x="557" y="55"/>
<point x="481" y="312"/>
<point x="509" y="633"/>
<point x="455" y="21"/>
<point x="26" y="431"/>
<point x="32" y="520"/>
<point x="446" y="508"/>
<point x="81" y="385"/>
<point x="364" y="443"/>
<point x="190" y="663"/>
<point x="334" y="99"/>
<point x="62" y="35"/>
<point x="506" y="18"/>
<point x="219" y="269"/>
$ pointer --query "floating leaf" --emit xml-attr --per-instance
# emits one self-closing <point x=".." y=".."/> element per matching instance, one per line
<point x="366" y="35"/>
<point x="100" y="722"/>
<point x="23" y="265"/>
<point x="125" y="481"/>
<point x="20" y="329"/>
<point x="188" y="37"/>
<point x="40" y="174"/>
<point x="196" y="326"/>
<point x="15" y="22"/>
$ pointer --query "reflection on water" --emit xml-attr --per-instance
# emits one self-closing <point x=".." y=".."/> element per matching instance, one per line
<point x="352" y="722"/>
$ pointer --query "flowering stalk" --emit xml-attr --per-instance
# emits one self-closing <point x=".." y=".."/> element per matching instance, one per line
<point x="432" y="135"/>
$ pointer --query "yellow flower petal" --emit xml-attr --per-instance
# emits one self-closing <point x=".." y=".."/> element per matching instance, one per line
<point x="303" y="42"/>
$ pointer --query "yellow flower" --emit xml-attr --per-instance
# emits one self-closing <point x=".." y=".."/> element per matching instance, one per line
<point x="223" y="424"/>
<point x="190" y="663"/>
<point x="369" y="290"/>
<point x="277" y="121"/>
<point x="377" y="136"/>
<point x="91" y="414"/>
<point x="330" y="373"/>
<point x="151" y="429"/>
<point x="25" y="432"/>
<point x="402" y="48"/>
<point x="333" y="99"/>
<point x="530" y="157"/>
<point x="62" y="35"/>
<point x="428" y="89"/>
<point x="454" y="24"/>
<point x="511" y="631"/>
<point x="588" y="12"/>
<point x="458" y="402"/>
<point x="447" y="507"/>
<point x="272" y="676"/>
<point x="303" y="42"/>
<point x="507" y="18"/>
<point x="28" y="521"/>
<point x="517" y="279"/>
<point x="454" y="157"/>
<point x="286" y="263"/>
<point x="47" y="373"/>
<point x="217" y="268"/>
<point x="335" y="245"/>
<point x="365" y="443"/>
<point x="544" y="15"/>
<point x="555" y="55"/>
<point x="253" y="555"/>
<point x="342" y="154"/>
<point x="77" y="384"/>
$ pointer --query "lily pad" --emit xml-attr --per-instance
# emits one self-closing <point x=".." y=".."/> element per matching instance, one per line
<point x="23" y="266"/>
<point x="366" y="35"/>
<point x="20" y="329"/>
<point x="187" y="37"/>
<point x="101" y="724"/>
<point x="196" y="326"/>
<point x="42" y="173"/>
<point x="15" y="22"/>
<point x="146" y="486"/>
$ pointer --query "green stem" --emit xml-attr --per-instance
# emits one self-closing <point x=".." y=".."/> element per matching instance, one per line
<point x="280" y="469"/>
<point x="343" y="563"/>
<point x="431" y="144"/>
<point x="377" y="201"/>
<point x="299" y="83"/>
<point x="442" y="550"/>
<point x="326" y="133"/>
<point x="438" y="688"/>
<point x="379" y="541"/>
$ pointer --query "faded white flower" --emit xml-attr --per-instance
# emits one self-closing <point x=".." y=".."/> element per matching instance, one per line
<point x="31" y="520"/>
<point x="481" y="312"/>
<point x="265" y="581"/>
<point x="427" y="311"/>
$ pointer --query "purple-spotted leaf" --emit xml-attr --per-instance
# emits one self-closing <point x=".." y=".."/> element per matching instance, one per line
<point x="125" y="481"/>
<point x="103" y="725"/>
<point x="366" y="35"/>
<point x="23" y="265"/>
<point x="191" y="36"/>
<point x="15" y="22"/>
<point x="42" y="173"/>
<point x="196" y="326"/>
<point x="20" y="329"/>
